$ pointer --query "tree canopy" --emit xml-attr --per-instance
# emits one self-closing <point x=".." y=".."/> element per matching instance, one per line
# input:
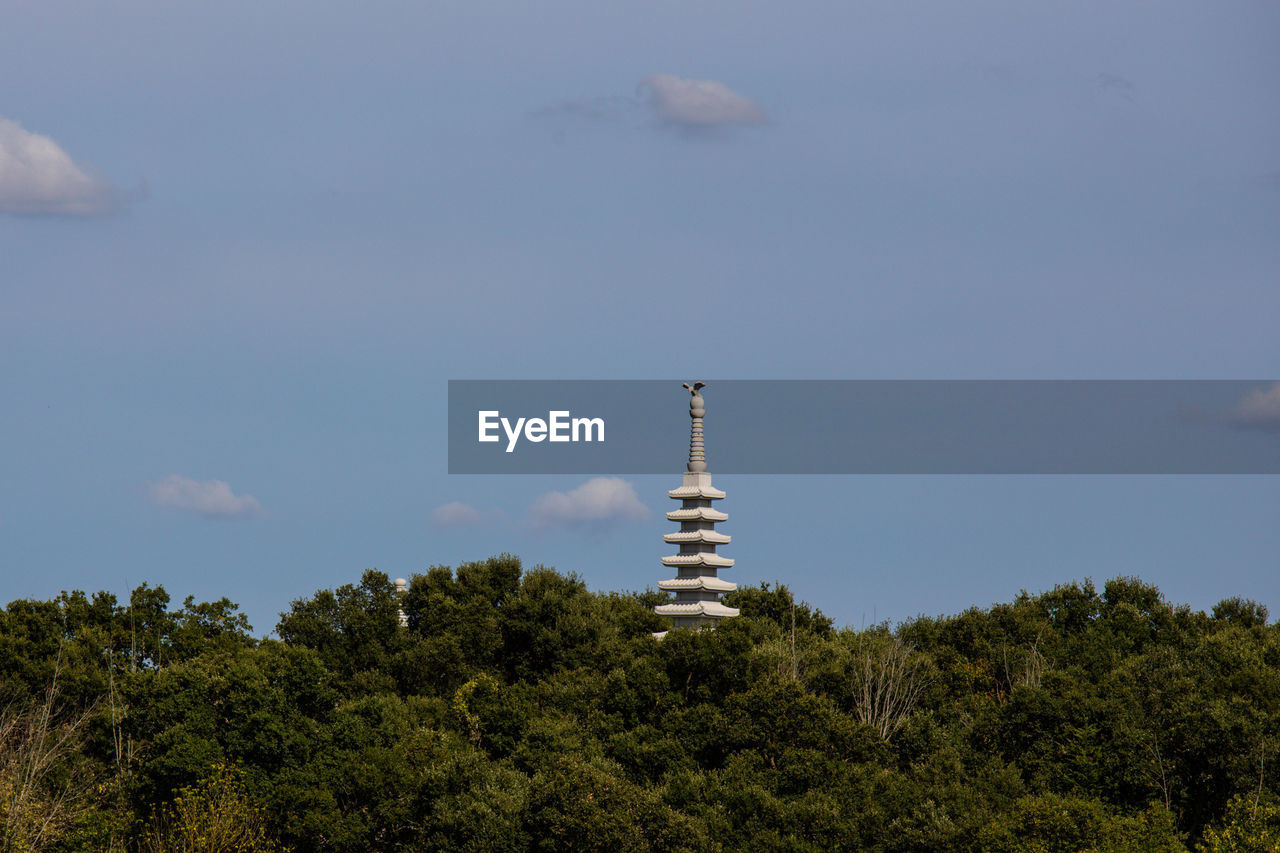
<point x="518" y="710"/>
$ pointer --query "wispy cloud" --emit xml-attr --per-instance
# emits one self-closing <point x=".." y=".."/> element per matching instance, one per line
<point x="693" y="106"/>
<point x="597" y="503"/>
<point x="1260" y="409"/>
<point x="1115" y="86"/>
<point x="38" y="178"/>
<point x="609" y="108"/>
<point x="210" y="497"/>
<point x="699" y="104"/>
<point x="458" y="514"/>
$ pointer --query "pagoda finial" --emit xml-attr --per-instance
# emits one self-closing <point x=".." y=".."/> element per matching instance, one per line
<point x="697" y="408"/>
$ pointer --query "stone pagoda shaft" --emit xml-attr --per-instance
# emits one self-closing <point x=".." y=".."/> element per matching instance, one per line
<point x="696" y="584"/>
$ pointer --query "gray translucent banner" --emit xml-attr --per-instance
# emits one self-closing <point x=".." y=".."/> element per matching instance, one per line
<point x="868" y="427"/>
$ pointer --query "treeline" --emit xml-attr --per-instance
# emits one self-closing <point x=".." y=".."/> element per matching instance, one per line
<point x="519" y="711"/>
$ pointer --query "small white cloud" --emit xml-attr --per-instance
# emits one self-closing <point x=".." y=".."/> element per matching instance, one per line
<point x="38" y="177"/>
<point x="699" y="104"/>
<point x="456" y="514"/>
<point x="596" y="503"/>
<point x="1260" y="409"/>
<point x="212" y="497"/>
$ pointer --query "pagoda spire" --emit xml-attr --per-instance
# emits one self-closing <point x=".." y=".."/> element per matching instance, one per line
<point x="696" y="584"/>
<point x="697" y="409"/>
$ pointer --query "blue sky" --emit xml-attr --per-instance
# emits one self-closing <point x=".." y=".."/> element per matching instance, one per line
<point x="266" y="235"/>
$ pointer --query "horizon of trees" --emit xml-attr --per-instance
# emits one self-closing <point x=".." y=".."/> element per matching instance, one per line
<point x="520" y="711"/>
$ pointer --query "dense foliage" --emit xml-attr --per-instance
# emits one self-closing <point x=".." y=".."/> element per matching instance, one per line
<point x="519" y="711"/>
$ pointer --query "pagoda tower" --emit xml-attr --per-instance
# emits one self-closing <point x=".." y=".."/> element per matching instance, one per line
<point x="696" y="585"/>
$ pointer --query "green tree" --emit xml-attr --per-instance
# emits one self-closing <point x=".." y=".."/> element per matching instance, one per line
<point x="215" y="815"/>
<point x="1251" y="824"/>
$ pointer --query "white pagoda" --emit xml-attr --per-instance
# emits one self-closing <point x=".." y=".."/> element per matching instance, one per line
<point x="696" y="585"/>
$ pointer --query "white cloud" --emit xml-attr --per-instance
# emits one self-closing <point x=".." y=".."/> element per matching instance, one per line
<point x="456" y="514"/>
<point x="695" y="104"/>
<point x="38" y="177"/>
<point x="1261" y="409"/>
<point x="212" y="497"/>
<point x="596" y="503"/>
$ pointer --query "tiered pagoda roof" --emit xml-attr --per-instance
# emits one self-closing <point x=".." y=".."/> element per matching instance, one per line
<point x="696" y="585"/>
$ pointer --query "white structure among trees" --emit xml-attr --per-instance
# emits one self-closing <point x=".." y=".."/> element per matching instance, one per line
<point x="696" y="584"/>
